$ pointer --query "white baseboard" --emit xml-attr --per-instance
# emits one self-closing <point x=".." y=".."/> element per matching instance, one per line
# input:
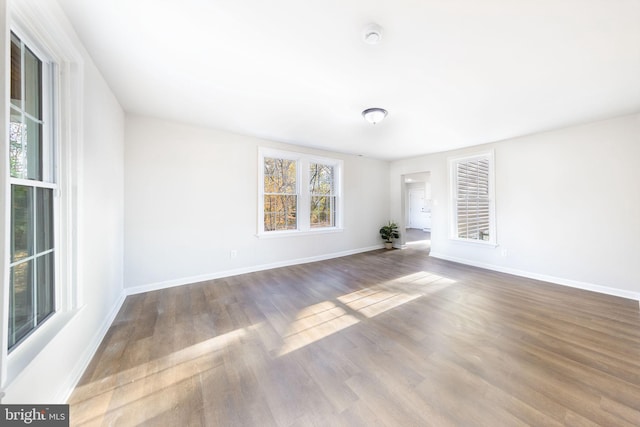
<point x="543" y="277"/>
<point x="86" y="358"/>
<point x="243" y="270"/>
<point x="75" y="376"/>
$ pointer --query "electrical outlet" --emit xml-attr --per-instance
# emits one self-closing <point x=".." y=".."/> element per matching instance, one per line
<point x="233" y="253"/>
<point x="504" y="252"/>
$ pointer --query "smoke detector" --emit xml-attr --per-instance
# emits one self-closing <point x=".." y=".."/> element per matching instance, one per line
<point x="372" y="34"/>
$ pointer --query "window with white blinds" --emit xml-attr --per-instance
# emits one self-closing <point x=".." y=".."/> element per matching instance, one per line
<point x="473" y="204"/>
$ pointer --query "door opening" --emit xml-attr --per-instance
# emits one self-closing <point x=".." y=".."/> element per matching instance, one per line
<point x="417" y="209"/>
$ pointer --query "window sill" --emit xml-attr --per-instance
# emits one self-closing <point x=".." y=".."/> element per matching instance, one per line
<point x="479" y="243"/>
<point x="291" y="233"/>
<point x="20" y="357"/>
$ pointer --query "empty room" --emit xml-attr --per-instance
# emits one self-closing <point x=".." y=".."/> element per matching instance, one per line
<point x="294" y="213"/>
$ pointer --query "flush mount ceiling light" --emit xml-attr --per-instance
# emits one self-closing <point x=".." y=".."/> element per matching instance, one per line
<point x="374" y="115"/>
<point x="372" y="34"/>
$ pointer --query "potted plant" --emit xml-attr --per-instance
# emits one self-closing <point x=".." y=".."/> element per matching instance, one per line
<point x="389" y="232"/>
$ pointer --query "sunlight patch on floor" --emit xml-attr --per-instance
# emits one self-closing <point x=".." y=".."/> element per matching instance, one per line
<point x="314" y="323"/>
<point x="320" y="320"/>
<point x="418" y="242"/>
<point x="423" y="278"/>
<point x="371" y="303"/>
<point x="138" y="385"/>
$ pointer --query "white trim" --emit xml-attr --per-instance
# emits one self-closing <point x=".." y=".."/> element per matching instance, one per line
<point x="302" y="192"/>
<point x="82" y="364"/>
<point x="44" y="27"/>
<point x="478" y="243"/>
<point x="228" y="273"/>
<point x="622" y="293"/>
<point x="33" y="183"/>
<point x="41" y="26"/>
<point x="29" y="345"/>
<point x="453" y="217"/>
<point x="5" y="225"/>
<point x="34" y="343"/>
<point x="289" y="233"/>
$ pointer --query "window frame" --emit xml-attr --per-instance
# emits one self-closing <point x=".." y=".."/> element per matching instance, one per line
<point x="453" y="190"/>
<point x="332" y="195"/>
<point x="47" y="181"/>
<point x="49" y="41"/>
<point x="303" y="211"/>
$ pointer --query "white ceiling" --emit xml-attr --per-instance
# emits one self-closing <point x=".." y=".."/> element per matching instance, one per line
<point x="451" y="73"/>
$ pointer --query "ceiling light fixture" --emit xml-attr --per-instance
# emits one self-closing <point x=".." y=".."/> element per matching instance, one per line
<point x="374" y="115"/>
<point x="372" y="34"/>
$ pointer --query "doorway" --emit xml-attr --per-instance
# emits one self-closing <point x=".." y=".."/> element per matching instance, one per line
<point x="417" y="209"/>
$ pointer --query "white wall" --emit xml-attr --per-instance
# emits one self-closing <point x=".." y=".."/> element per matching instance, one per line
<point x="567" y="201"/>
<point x="191" y="198"/>
<point x="52" y="374"/>
<point x="176" y="199"/>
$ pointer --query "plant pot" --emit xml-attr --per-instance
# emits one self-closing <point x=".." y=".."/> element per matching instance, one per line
<point x="388" y="245"/>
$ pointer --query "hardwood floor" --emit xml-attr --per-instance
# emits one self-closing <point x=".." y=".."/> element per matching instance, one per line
<point x="414" y="235"/>
<point x="384" y="338"/>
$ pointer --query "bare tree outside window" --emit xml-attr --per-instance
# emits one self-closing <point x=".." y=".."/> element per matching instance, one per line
<point x="298" y="193"/>
<point x="322" y="192"/>
<point x="280" y="194"/>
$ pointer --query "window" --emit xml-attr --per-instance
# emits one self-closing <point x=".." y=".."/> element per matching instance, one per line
<point x="280" y="194"/>
<point x="473" y="202"/>
<point x="31" y="169"/>
<point x="40" y="170"/>
<point x="298" y="193"/>
<point x="323" y="195"/>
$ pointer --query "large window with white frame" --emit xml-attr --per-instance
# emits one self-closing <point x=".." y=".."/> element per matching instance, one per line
<point x="33" y="185"/>
<point x="298" y="193"/>
<point x="323" y="195"/>
<point x="40" y="174"/>
<point x="473" y="200"/>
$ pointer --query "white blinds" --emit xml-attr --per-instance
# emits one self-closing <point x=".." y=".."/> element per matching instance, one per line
<point x="473" y="199"/>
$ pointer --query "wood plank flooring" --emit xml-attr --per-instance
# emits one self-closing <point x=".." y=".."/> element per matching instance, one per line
<point x="384" y="338"/>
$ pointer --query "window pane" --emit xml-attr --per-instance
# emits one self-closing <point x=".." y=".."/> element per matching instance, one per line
<point x="16" y="72"/>
<point x="279" y="176"/>
<point x="321" y="186"/>
<point x="17" y="145"/>
<point x="32" y="84"/>
<point x="21" y="311"/>
<point x="25" y="147"/>
<point x="321" y="180"/>
<point x="44" y="218"/>
<point x="280" y="189"/>
<point x="323" y="212"/>
<point x="34" y="149"/>
<point x="21" y="222"/>
<point x="280" y="212"/>
<point x="45" y="286"/>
